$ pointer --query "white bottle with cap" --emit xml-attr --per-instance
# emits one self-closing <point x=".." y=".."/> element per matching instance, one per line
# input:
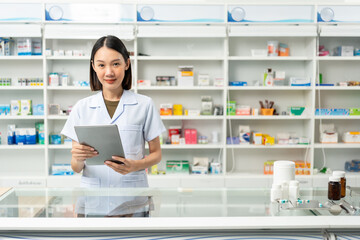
<point x="284" y="171"/>
<point x="276" y="192"/>
<point x="293" y="191"/>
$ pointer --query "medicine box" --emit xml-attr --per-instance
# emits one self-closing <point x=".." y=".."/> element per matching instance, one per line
<point x="257" y="138"/>
<point x="203" y="80"/>
<point x="144" y="83"/>
<point x="344" y="51"/>
<point x="15" y="106"/>
<point x="190" y="136"/>
<point x="296" y="111"/>
<point x="300" y="81"/>
<point x="244" y="134"/>
<point x="40" y="133"/>
<point x="177" y="167"/>
<point x="199" y="170"/>
<point x="328" y="133"/>
<point x="38" y="109"/>
<point x="61" y="169"/>
<point x="351" y="137"/>
<point x="231" y="108"/>
<point x="26" y="107"/>
<point x="4" y="109"/>
<point x="30" y="137"/>
<point x="354" y="111"/>
<point x="185" y="76"/>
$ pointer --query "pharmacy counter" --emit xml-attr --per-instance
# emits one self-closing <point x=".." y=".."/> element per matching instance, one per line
<point x="153" y="212"/>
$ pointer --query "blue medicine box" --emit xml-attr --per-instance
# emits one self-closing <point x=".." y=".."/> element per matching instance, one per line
<point x="237" y="83"/>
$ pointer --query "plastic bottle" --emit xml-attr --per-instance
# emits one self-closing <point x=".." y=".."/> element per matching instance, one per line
<point x="285" y="190"/>
<point x="334" y="188"/>
<point x="276" y="193"/>
<point x="293" y="191"/>
<point x="341" y="175"/>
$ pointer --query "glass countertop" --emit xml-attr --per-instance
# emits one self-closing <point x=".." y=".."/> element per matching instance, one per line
<point x="159" y="202"/>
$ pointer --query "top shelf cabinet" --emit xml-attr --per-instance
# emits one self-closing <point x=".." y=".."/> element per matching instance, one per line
<point x="78" y="31"/>
<point x="181" y="32"/>
<point x="272" y="31"/>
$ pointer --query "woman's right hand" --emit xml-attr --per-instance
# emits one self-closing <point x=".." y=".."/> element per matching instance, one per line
<point x="81" y="152"/>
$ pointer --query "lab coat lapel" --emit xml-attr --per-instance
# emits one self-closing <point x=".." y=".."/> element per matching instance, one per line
<point x="99" y="105"/>
<point x="127" y="98"/>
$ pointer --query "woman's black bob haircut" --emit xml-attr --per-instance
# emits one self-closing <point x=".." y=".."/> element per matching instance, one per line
<point x="117" y="45"/>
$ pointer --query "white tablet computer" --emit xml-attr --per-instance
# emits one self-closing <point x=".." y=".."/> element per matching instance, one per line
<point x="105" y="139"/>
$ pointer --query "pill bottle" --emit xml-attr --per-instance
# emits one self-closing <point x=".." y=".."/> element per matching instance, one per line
<point x="334" y="188"/>
<point x="276" y="192"/>
<point x="293" y="191"/>
<point x="341" y="175"/>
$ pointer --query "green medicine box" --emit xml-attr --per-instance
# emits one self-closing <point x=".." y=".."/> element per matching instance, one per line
<point x="231" y="108"/>
<point x="354" y="111"/>
<point x="296" y="111"/>
<point x="177" y="167"/>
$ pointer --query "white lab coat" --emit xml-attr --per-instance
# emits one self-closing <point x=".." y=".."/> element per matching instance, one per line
<point x="138" y="121"/>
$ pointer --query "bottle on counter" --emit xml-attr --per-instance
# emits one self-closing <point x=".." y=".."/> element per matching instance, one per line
<point x="293" y="191"/>
<point x="276" y="193"/>
<point x="334" y="188"/>
<point x="341" y="175"/>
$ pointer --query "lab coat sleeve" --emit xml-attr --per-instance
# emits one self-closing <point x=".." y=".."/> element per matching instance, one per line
<point x="73" y="120"/>
<point x="153" y="126"/>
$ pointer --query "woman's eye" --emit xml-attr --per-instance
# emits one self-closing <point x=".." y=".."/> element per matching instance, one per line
<point x="116" y="64"/>
<point x="101" y="65"/>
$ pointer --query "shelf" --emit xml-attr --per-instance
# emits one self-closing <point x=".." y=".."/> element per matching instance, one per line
<point x="277" y="146"/>
<point x="21" y="57"/>
<point x="68" y="58"/>
<point x="177" y="88"/>
<point x="191" y="146"/>
<point x="348" y="117"/>
<point x="337" y="145"/>
<point x="188" y="58"/>
<point x="338" y="58"/>
<point x="60" y="146"/>
<point x="21" y="147"/>
<point x="68" y="88"/>
<point x="32" y="117"/>
<point x="56" y="117"/>
<point x="22" y="88"/>
<point x="260" y="117"/>
<point x="352" y="88"/>
<point x="192" y="118"/>
<point x="293" y="88"/>
<point x="249" y="58"/>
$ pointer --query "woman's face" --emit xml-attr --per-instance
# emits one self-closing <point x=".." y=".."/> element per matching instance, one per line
<point x="110" y="68"/>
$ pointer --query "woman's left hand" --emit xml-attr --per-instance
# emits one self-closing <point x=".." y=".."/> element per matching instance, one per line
<point x="128" y="165"/>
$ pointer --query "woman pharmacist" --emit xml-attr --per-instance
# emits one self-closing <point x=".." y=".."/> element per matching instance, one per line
<point x="134" y="114"/>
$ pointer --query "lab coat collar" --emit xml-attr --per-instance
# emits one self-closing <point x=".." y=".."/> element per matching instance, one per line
<point x="127" y="98"/>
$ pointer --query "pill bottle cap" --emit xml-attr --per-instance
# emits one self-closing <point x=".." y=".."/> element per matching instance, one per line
<point x="334" y="179"/>
<point x="340" y="174"/>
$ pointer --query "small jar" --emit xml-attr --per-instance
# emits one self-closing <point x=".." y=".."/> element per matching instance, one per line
<point x="334" y="188"/>
<point x="341" y="175"/>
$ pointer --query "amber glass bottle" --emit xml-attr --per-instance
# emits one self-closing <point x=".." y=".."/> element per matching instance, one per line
<point x="341" y="175"/>
<point x="334" y="188"/>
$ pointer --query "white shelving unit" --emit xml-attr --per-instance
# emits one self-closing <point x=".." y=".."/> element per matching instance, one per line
<point x="220" y="50"/>
<point x="335" y="69"/>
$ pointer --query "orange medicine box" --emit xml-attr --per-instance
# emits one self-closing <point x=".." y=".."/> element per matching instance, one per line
<point x="165" y="109"/>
